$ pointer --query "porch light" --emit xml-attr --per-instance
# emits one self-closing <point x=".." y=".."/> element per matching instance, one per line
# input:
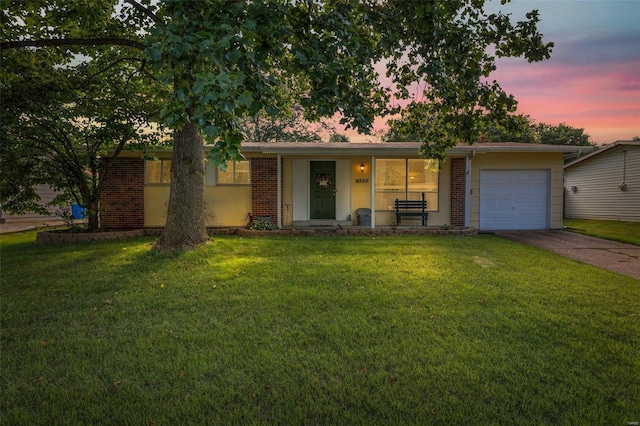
<point x="362" y="168"/>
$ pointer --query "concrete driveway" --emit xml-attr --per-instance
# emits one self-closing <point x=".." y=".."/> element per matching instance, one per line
<point x="617" y="257"/>
<point x="12" y="225"/>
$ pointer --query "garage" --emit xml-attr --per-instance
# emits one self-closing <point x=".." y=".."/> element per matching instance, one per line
<point x="514" y="199"/>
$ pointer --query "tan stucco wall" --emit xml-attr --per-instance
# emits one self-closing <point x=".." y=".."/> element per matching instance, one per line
<point x="227" y="205"/>
<point x="224" y="205"/>
<point x="156" y="198"/>
<point x="519" y="161"/>
<point x="360" y="192"/>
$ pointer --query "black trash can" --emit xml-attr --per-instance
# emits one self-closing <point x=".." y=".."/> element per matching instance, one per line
<point x="364" y="216"/>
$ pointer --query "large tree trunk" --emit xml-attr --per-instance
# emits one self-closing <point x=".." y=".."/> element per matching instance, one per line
<point x="185" y="227"/>
<point x="91" y="213"/>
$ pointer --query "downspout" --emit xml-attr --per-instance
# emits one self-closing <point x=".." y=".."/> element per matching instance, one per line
<point x="624" y="169"/>
<point x="279" y="190"/>
<point x="373" y="191"/>
<point x="467" y="190"/>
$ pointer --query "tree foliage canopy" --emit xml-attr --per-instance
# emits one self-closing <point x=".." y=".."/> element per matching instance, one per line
<point x="63" y="109"/>
<point x="519" y="128"/>
<point x="224" y="60"/>
<point x="282" y="128"/>
<point x="227" y="60"/>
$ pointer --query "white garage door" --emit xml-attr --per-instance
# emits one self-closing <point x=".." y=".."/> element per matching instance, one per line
<point x="514" y="199"/>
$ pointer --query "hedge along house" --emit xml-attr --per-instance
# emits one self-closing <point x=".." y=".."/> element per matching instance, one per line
<point x="605" y="184"/>
<point x="497" y="186"/>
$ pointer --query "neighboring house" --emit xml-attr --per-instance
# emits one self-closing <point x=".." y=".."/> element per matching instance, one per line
<point x="47" y="194"/>
<point x="498" y="186"/>
<point x="605" y="184"/>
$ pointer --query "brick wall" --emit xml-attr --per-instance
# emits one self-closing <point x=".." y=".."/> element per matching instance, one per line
<point x="458" y="180"/>
<point x="122" y="196"/>
<point x="264" y="189"/>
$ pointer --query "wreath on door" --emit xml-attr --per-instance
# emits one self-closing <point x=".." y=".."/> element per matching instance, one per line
<point x="323" y="180"/>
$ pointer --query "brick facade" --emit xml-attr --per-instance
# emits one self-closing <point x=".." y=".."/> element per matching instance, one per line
<point x="122" y="195"/>
<point x="264" y="189"/>
<point x="458" y="191"/>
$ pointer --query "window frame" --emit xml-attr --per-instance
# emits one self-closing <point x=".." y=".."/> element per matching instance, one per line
<point x="231" y="168"/>
<point x="164" y="162"/>
<point x="406" y="192"/>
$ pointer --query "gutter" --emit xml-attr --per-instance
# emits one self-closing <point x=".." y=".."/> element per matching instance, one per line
<point x="400" y="148"/>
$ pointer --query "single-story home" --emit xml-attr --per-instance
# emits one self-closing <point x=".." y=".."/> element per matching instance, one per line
<point x="605" y="184"/>
<point x="487" y="186"/>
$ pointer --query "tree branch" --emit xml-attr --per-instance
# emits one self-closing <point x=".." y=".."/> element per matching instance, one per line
<point x="141" y="8"/>
<point x="72" y="42"/>
<point x="107" y="68"/>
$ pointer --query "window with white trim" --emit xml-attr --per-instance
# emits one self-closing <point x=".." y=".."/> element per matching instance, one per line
<point x="406" y="179"/>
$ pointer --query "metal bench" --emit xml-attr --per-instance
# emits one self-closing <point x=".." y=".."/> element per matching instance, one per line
<point x="414" y="208"/>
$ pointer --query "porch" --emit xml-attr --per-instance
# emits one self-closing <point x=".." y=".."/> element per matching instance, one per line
<point x="340" y="229"/>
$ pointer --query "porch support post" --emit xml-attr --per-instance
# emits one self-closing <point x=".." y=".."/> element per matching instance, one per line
<point x="279" y="190"/>
<point x="467" y="191"/>
<point x="373" y="191"/>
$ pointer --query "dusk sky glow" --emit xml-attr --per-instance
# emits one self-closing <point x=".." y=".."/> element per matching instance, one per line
<point x="592" y="80"/>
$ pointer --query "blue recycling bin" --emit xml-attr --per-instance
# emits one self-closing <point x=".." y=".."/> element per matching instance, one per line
<point x="77" y="211"/>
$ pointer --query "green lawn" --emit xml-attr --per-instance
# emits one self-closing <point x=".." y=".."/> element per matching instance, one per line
<point x="315" y="330"/>
<point x="625" y="232"/>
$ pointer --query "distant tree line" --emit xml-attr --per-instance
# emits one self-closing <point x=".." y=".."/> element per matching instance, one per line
<point x="520" y="128"/>
<point x="288" y="126"/>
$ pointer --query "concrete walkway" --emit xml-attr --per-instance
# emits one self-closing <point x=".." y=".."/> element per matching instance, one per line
<point x="11" y="225"/>
<point x="617" y="257"/>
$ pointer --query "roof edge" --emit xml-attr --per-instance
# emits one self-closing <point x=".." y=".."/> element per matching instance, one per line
<point x="401" y="148"/>
<point x="394" y="148"/>
<point x="602" y="150"/>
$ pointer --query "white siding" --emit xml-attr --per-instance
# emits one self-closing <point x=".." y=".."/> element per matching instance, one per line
<point x="596" y="182"/>
<point x="46" y="194"/>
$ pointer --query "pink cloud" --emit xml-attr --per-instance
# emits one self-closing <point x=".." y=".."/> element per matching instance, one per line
<point x="590" y="82"/>
<point x="603" y="98"/>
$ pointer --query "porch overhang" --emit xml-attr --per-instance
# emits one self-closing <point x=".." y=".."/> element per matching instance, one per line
<point x="402" y="149"/>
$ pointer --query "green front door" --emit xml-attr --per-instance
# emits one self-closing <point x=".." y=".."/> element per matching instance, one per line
<point x="323" y="189"/>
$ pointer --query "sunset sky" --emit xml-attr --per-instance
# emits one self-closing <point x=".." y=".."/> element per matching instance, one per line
<point x="592" y="80"/>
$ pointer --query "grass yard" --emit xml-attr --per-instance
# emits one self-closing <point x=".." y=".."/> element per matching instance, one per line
<point x="625" y="232"/>
<point x="315" y="330"/>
